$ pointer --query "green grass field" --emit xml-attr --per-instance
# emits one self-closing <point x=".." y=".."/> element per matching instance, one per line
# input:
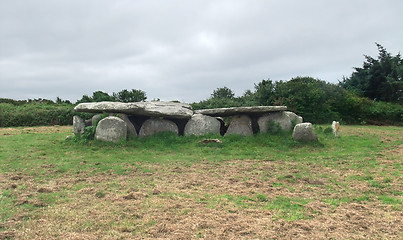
<point x="260" y="187"/>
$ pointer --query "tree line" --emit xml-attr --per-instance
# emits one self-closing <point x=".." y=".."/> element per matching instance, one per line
<point x="372" y="94"/>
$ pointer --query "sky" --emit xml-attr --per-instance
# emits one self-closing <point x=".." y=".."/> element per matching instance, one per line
<point x="184" y="50"/>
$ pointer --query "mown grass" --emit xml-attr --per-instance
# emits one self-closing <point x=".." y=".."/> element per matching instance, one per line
<point x="40" y="170"/>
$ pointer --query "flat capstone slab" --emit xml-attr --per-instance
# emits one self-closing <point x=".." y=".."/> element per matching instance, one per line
<point x="223" y="112"/>
<point x="149" y="109"/>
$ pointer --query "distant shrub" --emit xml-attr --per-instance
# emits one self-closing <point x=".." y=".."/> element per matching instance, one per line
<point x="384" y="113"/>
<point x="37" y="114"/>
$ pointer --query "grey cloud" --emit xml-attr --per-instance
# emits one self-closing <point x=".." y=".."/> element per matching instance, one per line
<point x="183" y="50"/>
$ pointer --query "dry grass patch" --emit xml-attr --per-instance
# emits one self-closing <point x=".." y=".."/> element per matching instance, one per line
<point x="225" y="199"/>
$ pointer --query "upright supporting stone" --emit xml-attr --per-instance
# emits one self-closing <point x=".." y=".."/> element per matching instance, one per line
<point x="78" y="125"/>
<point x="95" y="119"/>
<point x="240" y="124"/>
<point x="156" y="125"/>
<point x="111" y="129"/>
<point x="294" y="117"/>
<point x="201" y="124"/>
<point x="281" y="118"/>
<point x="131" y="130"/>
<point x="304" y="132"/>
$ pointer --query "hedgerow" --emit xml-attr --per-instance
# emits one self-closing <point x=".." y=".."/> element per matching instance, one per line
<point x="37" y="114"/>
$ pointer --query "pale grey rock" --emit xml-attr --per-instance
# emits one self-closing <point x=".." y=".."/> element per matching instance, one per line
<point x="240" y="124"/>
<point x="131" y="130"/>
<point x="280" y="118"/>
<point x="335" y="128"/>
<point x="150" y="109"/>
<point x="304" y="132"/>
<point x="111" y="129"/>
<point x="88" y="122"/>
<point x="222" y="112"/>
<point x="156" y="125"/>
<point x="294" y="117"/>
<point x="201" y="124"/>
<point x="78" y="125"/>
<point x="95" y="119"/>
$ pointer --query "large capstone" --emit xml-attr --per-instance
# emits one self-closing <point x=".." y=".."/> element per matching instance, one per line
<point x="111" y="129"/>
<point x="304" y="132"/>
<point x="78" y="125"/>
<point x="156" y="125"/>
<point x="201" y="124"/>
<point x="280" y="118"/>
<point x="256" y="110"/>
<point x="240" y="124"/>
<point x="150" y="109"/>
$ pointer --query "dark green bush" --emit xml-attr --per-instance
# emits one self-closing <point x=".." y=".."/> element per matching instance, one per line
<point x="37" y="114"/>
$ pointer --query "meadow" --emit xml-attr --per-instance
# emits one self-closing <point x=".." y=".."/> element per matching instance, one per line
<point x="259" y="187"/>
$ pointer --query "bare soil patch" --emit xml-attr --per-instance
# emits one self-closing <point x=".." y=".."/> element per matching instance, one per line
<point x="234" y="199"/>
<point x="211" y="201"/>
<point x="30" y="130"/>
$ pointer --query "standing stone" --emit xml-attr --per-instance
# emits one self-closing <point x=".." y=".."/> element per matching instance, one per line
<point x="294" y="117"/>
<point x="156" y="125"/>
<point x="131" y="130"/>
<point x="78" y="125"/>
<point x="335" y="128"/>
<point x="88" y="122"/>
<point x="280" y="118"/>
<point x="201" y="124"/>
<point x="240" y="124"/>
<point x="304" y="132"/>
<point x="95" y="119"/>
<point x="111" y="129"/>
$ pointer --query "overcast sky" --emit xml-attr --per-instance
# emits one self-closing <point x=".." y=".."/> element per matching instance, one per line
<point x="183" y="50"/>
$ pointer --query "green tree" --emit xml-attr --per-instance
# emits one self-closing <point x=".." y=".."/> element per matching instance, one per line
<point x="223" y="93"/>
<point x="97" y="96"/>
<point x="84" y="99"/>
<point x="134" y="95"/>
<point x="265" y="92"/>
<point x="100" y="96"/>
<point x="60" y="101"/>
<point x="314" y="99"/>
<point x="220" y="98"/>
<point x="379" y="79"/>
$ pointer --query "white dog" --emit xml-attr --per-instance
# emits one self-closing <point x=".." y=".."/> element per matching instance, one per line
<point x="335" y="127"/>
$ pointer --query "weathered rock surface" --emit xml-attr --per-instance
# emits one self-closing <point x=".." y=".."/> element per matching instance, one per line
<point x="335" y="128"/>
<point x="240" y="124"/>
<point x="131" y="130"/>
<point x="280" y="118"/>
<point x="304" y="132"/>
<point x="111" y="129"/>
<point x="150" y="109"/>
<point x="201" y="124"/>
<point x="95" y="119"/>
<point x="156" y="125"/>
<point x="78" y="125"/>
<point x="222" y="112"/>
<point x="294" y="117"/>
